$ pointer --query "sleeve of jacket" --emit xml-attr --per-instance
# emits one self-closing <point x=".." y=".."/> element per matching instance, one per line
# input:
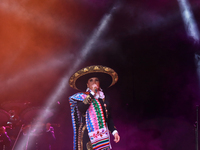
<point x="84" y="105"/>
<point x="109" y="119"/>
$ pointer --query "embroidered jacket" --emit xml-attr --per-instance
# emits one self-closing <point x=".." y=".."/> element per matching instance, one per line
<point x="96" y="120"/>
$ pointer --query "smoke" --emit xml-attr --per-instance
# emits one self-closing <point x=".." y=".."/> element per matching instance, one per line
<point x="39" y="17"/>
<point x="36" y="69"/>
<point x="155" y="134"/>
<point x="62" y="85"/>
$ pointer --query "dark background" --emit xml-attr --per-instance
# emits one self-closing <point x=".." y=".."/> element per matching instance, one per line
<point x="155" y="100"/>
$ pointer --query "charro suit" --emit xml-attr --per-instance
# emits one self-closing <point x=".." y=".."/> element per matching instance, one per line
<point x="81" y="118"/>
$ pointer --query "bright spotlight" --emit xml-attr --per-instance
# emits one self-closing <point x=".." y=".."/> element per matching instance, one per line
<point x="189" y="21"/>
<point x="62" y="86"/>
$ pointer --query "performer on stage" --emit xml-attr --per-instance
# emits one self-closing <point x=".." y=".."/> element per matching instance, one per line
<point x="91" y="118"/>
<point x="4" y="139"/>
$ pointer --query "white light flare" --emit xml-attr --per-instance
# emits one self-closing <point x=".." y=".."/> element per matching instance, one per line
<point x="190" y="23"/>
<point x="63" y="84"/>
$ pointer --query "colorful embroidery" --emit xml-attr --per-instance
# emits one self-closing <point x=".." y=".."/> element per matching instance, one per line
<point x="93" y="118"/>
<point x="100" y="139"/>
<point x="95" y="122"/>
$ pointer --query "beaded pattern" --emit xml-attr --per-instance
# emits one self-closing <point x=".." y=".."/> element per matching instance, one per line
<point x="91" y="69"/>
<point x="94" y="117"/>
<point x="75" y="116"/>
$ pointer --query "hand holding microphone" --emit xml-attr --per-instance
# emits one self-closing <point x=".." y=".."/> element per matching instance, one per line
<point x="95" y="88"/>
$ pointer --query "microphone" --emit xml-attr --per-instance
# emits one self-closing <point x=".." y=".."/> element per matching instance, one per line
<point x="95" y="87"/>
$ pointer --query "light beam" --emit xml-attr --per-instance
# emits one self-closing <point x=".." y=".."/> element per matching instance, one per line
<point x="188" y="18"/>
<point x="63" y="84"/>
<point x="40" y="68"/>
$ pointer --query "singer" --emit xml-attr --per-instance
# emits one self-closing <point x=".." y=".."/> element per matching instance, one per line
<point x="91" y="118"/>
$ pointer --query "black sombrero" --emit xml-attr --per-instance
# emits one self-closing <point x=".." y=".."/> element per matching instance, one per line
<point x="106" y="75"/>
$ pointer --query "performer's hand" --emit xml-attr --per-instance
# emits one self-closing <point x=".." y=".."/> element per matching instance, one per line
<point x="95" y="88"/>
<point x="117" y="137"/>
<point x="2" y="130"/>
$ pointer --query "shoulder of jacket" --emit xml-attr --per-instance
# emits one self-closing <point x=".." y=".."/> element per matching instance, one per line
<point x="78" y="96"/>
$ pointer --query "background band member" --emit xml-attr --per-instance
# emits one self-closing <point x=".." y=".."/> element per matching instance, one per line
<point x="4" y="139"/>
<point x="39" y="136"/>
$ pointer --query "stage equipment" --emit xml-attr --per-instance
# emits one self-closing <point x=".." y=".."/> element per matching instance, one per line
<point x="14" y="108"/>
<point x="4" y="117"/>
<point x="31" y="114"/>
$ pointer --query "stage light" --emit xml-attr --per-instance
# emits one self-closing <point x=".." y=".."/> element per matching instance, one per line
<point x="63" y="84"/>
<point x="189" y="21"/>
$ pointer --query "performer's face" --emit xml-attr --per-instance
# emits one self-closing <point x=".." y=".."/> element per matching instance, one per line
<point x="93" y="81"/>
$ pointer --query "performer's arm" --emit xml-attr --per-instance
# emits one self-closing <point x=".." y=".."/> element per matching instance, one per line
<point x="83" y="106"/>
<point x="110" y="123"/>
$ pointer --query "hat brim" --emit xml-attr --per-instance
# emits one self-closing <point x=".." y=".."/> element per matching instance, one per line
<point x="106" y="76"/>
<point x="104" y="79"/>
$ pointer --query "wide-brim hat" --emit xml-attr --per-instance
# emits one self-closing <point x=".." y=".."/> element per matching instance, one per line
<point x="106" y="76"/>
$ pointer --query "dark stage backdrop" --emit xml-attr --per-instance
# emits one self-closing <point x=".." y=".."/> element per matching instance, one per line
<point x="155" y="100"/>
